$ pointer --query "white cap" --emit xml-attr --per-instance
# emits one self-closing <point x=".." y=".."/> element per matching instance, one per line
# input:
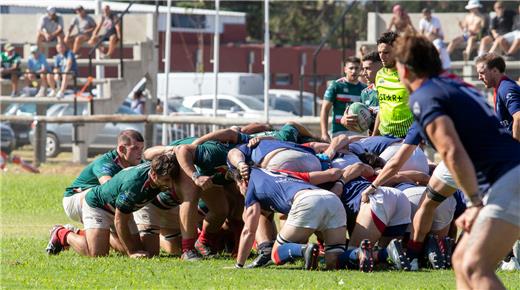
<point x="33" y="48"/>
<point x="473" y="4"/>
<point x="51" y="10"/>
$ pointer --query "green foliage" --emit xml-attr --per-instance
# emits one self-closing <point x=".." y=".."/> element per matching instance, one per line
<point x="31" y="204"/>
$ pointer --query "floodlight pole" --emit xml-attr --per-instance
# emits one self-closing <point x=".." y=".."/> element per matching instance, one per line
<point x="266" y="60"/>
<point x="216" y="50"/>
<point x="167" y="49"/>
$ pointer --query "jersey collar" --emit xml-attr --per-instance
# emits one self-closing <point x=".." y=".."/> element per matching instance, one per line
<point x="495" y="91"/>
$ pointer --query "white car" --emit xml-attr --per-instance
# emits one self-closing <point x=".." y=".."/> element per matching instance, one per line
<point x="231" y="106"/>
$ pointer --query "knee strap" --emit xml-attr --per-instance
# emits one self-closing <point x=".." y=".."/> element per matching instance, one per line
<point x="172" y="236"/>
<point x="434" y="195"/>
<point x="281" y="240"/>
<point x="338" y="248"/>
<point x="148" y="231"/>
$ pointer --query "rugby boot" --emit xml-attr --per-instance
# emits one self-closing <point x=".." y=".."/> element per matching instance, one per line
<point x="366" y="260"/>
<point x="262" y="260"/>
<point x="449" y="244"/>
<point x="310" y="255"/>
<point x="434" y="253"/>
<point x="204" y="250"/>
<point x="54" y="246"/>
<point x="397" y="256"/>
<point x="190" y="256"/>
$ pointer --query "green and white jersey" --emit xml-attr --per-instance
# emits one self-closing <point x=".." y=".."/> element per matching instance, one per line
<point x="128" y="191"/>
<point x="342" y="94"/>
<point x="369" y="96"/>
<point x="395" y="116"/>
<point x="105" y="165"/>
<point x="287" y="133"/>
<point x="183" y="141"/>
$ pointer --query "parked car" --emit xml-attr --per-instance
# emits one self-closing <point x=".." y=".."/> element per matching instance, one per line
<point x="231" y="106"/>
<point x="7" y="139"/>
<point x="59" y="136"/>
<point x="21" y="130"/>
<point x="289" y="100"/>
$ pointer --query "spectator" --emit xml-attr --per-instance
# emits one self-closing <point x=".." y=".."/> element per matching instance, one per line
<point x="138" y="102"/>
<point x="501" y="24"/>
<point x="431" y="27"/>
<point x="363" y="50"/>
<point x="400" y="19"/>
<point x="10" y="68"/>
<point x="65" y="69"/>
<point x="472" y="27"/>
<point x="37" y="69"/>
<point x="50" y="28"/>
<point x="84" y="25"/>
<point x="108" y="29"/>
<point x="509" y="43"/>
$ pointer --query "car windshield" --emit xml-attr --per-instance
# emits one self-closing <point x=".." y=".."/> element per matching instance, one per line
<point x="251" y="102"/>
<point x="21" y="109"/>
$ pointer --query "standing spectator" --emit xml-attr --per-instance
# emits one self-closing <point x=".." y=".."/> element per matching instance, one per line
<point x="108" y="29"/>
<point x="431" y="27"/>
<point x="37" y="68"/>
<point x="501" y="24"/>
<point x="65" y="69"/>
<point x="491" y="71"/>
<point x="509" y="43"/>
<point x="339" y="95"/>
<point x="84" y="25"/>
<point x="400" y="19"/>
<point x="11" y="67"/>
<point x="472" y="27"/>
<point x="138" y="102"/>
<point x="394" y="117"/>
<point x="50" y="27"/>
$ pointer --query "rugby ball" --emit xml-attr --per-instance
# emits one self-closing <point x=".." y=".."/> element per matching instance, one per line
<point x="364" y="116"/>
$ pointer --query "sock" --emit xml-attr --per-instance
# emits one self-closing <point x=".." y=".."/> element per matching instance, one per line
<point x="287" y="253"/>
<point x="62" y="236"/>
<point x="188" y="244"/>
<point x="81" y="233"/>
<point x="208" y="239"/>
<point x="414" y="249"/>
<point x="349" y="259"/>
<point x="382" y="255"/>
<point x="265" y="248"/>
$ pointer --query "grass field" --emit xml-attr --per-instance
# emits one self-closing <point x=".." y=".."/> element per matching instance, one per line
<point x="31" y="204"/>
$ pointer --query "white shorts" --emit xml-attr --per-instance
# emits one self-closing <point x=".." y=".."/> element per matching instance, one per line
<point x="348" y="133"/>
<point x="502" y="201"/>
<point x="390" y="206"/>
<point x="345" y="160"/>
<point x="442" y="173"/>
<point x="294" y="160"/>
<point x="317" y="209"/>
<point x="443" y="213"/>
<point x="151" y="215"/>
<point x="72" y="205"/>
<point x="417" y="161"/>
<point x="97" y="218"/>
<point x="512" y="36"/>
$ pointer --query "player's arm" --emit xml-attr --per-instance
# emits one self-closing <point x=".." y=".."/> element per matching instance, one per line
<point x="238" y="160"/>
<point x="247" y="238"/>
<point x="513" y="107"/>
<point x="337" y="144"/>
<point x="103" y="179"/>
<point x="376" y="126"/>
<point x="324" y="120"/>
<point x="151" y="152"/>
<point x="132" y="246"/>
<point x="186" y="157"/>
<point x="516" y="126"/>
<point x="223" y="135"/>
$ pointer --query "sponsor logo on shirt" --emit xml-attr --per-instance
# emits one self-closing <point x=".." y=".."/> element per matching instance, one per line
<point x="416" y="109"/>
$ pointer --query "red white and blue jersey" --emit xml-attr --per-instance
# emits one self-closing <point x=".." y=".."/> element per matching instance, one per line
<point x="351" y="195"/>
<point x="257" y="154"/>
<point x="274" y="190"/>
<point x="372" y="144"/>
<point x="491" y="149"/>
<point x="414" y="137"/>
<point x="507" y="102"/>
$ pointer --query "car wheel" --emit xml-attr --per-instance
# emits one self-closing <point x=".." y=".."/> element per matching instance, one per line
<point x="52" y="146"/>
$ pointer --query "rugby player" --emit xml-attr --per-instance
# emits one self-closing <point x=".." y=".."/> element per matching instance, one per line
<point x="492" y="222"/>
<point x="108" y="208"/>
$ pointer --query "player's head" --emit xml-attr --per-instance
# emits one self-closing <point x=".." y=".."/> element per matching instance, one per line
<point x="416" y="58"/>
<point x="241" y="182"/>
<point x="163" y="170"/>
<point x="385" y="48"/>
<point x="352" y="68"/>
<point x="130" y="145"/>
<point x="370" y="64"/>
<point x="427" y="13"/>
<point x="490" y="69"/>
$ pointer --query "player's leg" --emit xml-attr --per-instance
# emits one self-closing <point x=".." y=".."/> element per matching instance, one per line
<point x="170" y="238"/>
<point x="188" y="214"/>
<point x="147" y="220"/>
<point x="265" y="237"/>
<point x="217" y="203"/>
<point x="291" y="245"/>
<point x="97" y="224"/>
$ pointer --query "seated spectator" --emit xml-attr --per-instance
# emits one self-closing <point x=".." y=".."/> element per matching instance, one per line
<point x="472" y="27"/>
<point x="431" y="27"/>
<point x="65" y="69"/>
<point x="37" y="69"/>
<point x="509" y="43"/>
<point x="10" y="68"/>
<point x="84" y="25"/>
<point x="108" y="29"/>
<point x="400" y="19"/>
<point x="501" y="24"/>
<point x="50" y="28"/>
